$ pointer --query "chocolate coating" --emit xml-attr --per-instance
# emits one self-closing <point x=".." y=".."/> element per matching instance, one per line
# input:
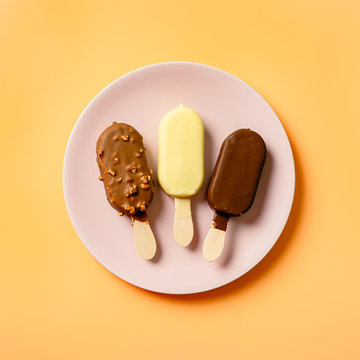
<point x="128" y="181"/>
<point x="220" y="221"/>
<point x="236" y="175"/>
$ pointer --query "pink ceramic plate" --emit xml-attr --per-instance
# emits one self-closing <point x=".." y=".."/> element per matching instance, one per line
<point x="225" y="104"/>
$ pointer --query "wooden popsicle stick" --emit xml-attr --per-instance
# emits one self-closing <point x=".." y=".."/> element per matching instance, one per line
<point x="183" y="225"/>
<point x="144" y="239"/>
<point x="214" y="241"/>
<point x="213" y="244"/>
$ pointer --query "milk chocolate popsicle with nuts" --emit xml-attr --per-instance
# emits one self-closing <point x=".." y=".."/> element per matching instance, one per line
<point x="128" y="181"/>
<point x="233" y="184"/>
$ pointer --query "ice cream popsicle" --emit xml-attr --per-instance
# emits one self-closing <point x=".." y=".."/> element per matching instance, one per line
<point x="233" y="184"/>
<point x="181" y="165"/>
<point x="128" y="180"/>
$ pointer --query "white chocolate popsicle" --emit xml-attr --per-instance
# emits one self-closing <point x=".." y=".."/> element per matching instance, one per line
<point x="181" y="164"/>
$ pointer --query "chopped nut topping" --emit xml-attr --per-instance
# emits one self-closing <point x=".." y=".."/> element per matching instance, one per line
<point x="116" y="137"/>
<point x="121" y="213"/>
<point x="112" y="200"/>
<point x="119" y="180"/>
<point x="127" y="208"/>
<point x="133" y="190"/>
<point x="141" y="150"/>
<point x="116" y="159"/>
<point x="111" y="172"/>
<point x="132" y="210"/>
<point x="133" y="171"/>
<point x="150" y="171"/>
<point x="101" y="178"/>
<point x="138" y="155"/>
<point x="125" y="137"/>
<point x="145" y="186"/>
<point x="142" y="207"/>
<point x="144" y="179"/>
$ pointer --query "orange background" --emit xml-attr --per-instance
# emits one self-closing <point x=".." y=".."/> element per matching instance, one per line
<point x="301" y="302"/>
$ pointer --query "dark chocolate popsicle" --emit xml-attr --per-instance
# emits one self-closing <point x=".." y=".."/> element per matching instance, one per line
<point x="233" y="184"/>
<point x="128" y="180"/>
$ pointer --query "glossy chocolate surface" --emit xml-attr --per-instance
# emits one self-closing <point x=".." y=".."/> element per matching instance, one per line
<point x="237" y="173"/>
